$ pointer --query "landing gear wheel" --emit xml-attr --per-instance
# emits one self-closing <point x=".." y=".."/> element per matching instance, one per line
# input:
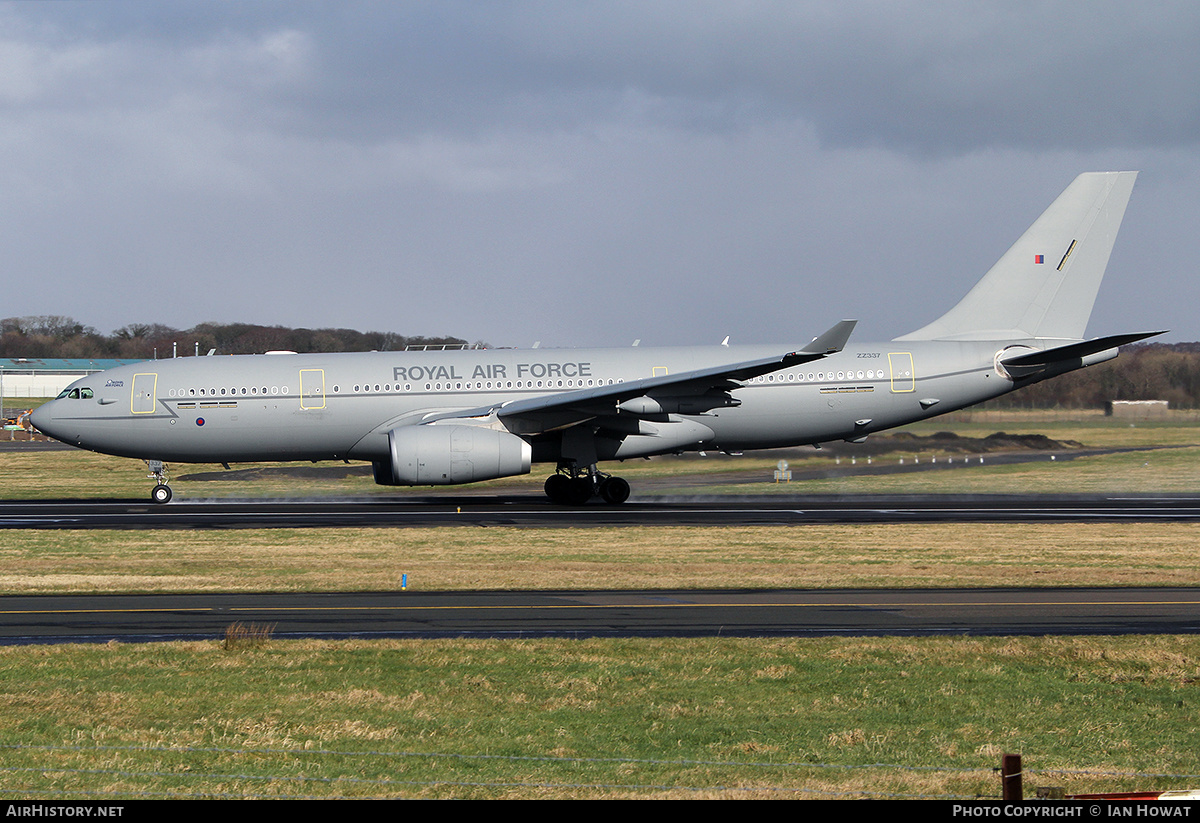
<point x="161" y="494"/>
<point x="558" y="486"/>
<point x="570" y="491"/>
<point x="614" y="490"/>
<point x="580" y="491"/>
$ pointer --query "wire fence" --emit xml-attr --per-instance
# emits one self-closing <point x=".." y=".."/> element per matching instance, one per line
<point x="286" y="773"/>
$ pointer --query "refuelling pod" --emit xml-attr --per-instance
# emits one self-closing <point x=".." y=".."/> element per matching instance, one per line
<point x="445" y="455"/>
<point x="679" y="404"/>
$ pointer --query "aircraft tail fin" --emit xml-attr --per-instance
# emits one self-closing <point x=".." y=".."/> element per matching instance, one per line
<point x="1046" y="284"/>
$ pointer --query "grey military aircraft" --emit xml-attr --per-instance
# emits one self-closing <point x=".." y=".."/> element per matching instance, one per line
<point x="449" y="417"/>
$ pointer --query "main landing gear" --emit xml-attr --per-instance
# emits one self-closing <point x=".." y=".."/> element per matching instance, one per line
<point x="161" y="493"/>
<point x="574" y="486"/>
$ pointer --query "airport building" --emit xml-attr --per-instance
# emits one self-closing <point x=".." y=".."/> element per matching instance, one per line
<point x="46" y="377"/>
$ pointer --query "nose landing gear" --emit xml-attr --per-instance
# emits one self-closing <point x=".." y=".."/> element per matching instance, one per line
<point x="161" y="493"/>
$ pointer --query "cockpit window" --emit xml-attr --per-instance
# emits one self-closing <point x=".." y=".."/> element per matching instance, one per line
<point x="75" y="394"/>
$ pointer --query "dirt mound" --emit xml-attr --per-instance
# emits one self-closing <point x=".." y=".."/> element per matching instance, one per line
<point x="951" y="443"/>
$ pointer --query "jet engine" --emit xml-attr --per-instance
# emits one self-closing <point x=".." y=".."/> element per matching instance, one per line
<point x="445" y="455"/>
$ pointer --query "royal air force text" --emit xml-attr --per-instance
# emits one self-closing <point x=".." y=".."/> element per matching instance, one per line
<point x="492" y="371"/>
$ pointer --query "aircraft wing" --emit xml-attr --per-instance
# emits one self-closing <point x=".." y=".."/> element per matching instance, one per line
<point x="563" y="409"/>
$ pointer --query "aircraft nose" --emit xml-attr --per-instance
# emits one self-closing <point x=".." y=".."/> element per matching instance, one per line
<point x="42" y="418"/>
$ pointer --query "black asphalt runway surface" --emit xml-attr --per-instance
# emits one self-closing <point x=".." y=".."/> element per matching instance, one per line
<point x="579" y="614"/>
<point x="536" y="511"/>
<point x="795" y="613"/>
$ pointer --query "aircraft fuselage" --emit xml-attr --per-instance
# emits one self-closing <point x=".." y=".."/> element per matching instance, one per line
<point x="342" y="406"/>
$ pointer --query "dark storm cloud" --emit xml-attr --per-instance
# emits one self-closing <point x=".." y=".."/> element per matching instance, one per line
<point x="485" y="169"/>
<point x="931" y="78"/>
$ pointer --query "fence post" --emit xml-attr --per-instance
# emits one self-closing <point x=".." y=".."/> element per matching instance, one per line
<point x="1010" y="778"/>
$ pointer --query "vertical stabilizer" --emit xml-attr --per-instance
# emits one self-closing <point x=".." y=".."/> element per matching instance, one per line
<point x="1046" y="284"/>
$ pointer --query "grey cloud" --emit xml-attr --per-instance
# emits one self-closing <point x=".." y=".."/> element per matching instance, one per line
<point x="579" y="173"/>
<point x="926" y="78"/>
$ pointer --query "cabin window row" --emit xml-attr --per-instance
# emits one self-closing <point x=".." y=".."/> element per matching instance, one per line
<point x="800" y="377"/>
<point x="390" y="387"/>
<point x="227" y="392"/>
<point x="467" y="385"/>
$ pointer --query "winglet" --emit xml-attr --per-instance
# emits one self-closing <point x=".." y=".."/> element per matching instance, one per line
<point x="830" y="342"/>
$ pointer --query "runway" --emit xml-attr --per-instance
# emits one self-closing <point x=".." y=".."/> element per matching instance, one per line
<point x="794" y="613"/>
<point x="534" y="511"/>
<point x="576" y="614"/>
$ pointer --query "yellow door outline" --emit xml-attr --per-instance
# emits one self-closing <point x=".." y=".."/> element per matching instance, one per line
<point x="904" y="377"/>
<point x="142" y="396"/>
<point x="658" y="371"/>
<point x="312" y="388"/>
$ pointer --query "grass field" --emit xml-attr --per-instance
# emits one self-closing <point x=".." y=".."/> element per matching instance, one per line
<point x="968" y="554"/>
<point x="702" y="718"/>
<point x="712" y="717"/>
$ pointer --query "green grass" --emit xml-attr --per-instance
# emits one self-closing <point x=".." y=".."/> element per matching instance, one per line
<point x="596" y="718"/>
<point x="22" y="403"/>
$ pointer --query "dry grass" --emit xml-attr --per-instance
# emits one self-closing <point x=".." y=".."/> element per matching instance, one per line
<point x="240" y="636"/>
<point x="1163" y="471"/>
<point x="647" y="557"/>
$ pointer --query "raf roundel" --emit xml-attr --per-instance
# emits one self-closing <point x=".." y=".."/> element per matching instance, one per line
<point x="199" y="421"/>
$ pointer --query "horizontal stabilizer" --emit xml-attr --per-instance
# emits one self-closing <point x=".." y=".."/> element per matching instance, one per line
<point x="1024" y="365"/>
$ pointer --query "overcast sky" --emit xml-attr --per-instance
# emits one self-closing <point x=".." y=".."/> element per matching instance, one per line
<point x="582" y="173"/>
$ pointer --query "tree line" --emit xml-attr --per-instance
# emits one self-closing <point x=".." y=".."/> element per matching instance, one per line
<point x="53" y="336"/>
<point x="1144" y="371"/>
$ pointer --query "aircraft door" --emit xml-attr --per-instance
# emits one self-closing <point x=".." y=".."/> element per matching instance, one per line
<point x="903" y="376"/>
<point x="312" y="388"/>
<point x="143" y="399"/>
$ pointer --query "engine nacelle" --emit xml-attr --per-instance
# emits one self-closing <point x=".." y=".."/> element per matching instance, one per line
<point x="446" y="455"/>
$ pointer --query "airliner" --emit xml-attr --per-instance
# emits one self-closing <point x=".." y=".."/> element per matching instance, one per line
<point x="433" y="418"/>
